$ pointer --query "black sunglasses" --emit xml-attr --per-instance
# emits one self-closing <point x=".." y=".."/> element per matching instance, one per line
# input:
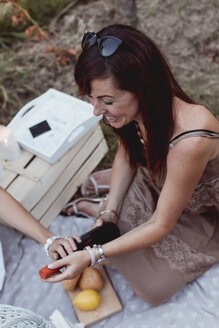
<point x="107" y="45"/>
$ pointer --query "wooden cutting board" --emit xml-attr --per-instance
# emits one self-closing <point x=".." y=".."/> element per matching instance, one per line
<point x="109" y="304"/>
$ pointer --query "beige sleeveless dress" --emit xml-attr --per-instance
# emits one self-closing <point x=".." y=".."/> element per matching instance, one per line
<point x="158" y="272"/>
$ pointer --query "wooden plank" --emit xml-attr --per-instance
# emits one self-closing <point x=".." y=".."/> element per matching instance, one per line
<point x="33" y="175"/>
<point x="74" y="184"/>
<point x="9" y="176"/>
<point x="19" y="190"/>
<point x="23" y="184"/>
<point x="22" y="187"/>
<point x="7" y="179"/>
<point x="109" y="303"/>
<point x="84" y="153"/>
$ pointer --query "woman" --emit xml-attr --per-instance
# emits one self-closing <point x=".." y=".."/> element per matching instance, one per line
<point x="16" y="216"/>
<point x="164" y="181"/>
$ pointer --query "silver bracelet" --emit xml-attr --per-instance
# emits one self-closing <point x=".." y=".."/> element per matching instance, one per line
<point x="101" y="256"/>
<point x="49" y="242"/>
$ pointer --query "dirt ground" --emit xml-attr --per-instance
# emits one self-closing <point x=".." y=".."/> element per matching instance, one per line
<point x="186" y="31"/>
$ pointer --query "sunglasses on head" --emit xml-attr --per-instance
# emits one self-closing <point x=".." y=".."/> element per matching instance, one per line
<point x="107" y="45"/>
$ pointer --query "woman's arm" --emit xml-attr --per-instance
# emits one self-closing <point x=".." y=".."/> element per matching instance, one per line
<point x="185" y="165"/>
<point x="120" y="180"/>
<point x="15" y="215"/>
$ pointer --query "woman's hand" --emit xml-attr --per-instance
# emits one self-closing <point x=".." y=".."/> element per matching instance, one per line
<point x="62" y="247"/>
<point x="106" y="216"/>
<point x="75" y="262"/>
<point x="98" y="223"/>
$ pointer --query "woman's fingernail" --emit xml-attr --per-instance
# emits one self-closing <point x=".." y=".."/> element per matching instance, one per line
<point x="50" y="266"/>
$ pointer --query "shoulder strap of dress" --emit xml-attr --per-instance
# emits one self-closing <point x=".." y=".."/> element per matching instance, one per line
<point x="193" y="133"/>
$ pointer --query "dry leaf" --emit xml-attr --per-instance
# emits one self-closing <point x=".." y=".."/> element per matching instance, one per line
<point x="30" y="31"/>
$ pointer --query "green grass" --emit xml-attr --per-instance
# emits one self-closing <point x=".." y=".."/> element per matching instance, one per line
<point x="42" y="11"/>
<point x="15" y="84"/>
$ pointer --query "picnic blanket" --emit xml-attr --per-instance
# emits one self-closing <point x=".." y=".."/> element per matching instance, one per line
<point x="194" y="306"/>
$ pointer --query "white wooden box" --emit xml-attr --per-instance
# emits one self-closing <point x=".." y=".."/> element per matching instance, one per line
<point x="44" y="188"/>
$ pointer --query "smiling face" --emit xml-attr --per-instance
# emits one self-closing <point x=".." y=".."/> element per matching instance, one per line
<point x="119" y="107"/>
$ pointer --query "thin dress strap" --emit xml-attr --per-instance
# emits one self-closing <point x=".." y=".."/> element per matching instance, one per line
<point x="193" y="133"/>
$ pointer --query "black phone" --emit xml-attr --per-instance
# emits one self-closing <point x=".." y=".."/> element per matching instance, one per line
<point x="39" y="128"/>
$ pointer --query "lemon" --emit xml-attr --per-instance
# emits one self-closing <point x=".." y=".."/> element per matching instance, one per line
<point x="87" y="300"/>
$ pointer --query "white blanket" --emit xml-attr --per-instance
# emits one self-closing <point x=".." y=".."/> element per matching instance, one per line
<point x="195" y="306"/>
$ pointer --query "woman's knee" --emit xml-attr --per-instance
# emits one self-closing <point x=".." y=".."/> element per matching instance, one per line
<point x="157" y="292"/>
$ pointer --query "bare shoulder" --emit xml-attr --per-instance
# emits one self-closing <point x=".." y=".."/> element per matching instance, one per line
<point x="205" y="118"/>
<point x="191" y="149"/>
<point x="194" y="117"/>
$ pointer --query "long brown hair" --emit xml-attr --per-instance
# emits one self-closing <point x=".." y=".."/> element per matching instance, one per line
<point x="138" y="67"/>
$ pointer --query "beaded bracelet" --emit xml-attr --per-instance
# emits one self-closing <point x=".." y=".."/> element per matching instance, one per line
<point x="107" y="212"/>
<point x="49" y="242"/>
<point x="101" y="256"/>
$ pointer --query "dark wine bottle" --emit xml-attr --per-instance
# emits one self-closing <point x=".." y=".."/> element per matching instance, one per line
<point x="99" y="235"/>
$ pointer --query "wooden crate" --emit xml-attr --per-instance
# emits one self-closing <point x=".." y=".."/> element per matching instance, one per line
<point x="44" y="188"/>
